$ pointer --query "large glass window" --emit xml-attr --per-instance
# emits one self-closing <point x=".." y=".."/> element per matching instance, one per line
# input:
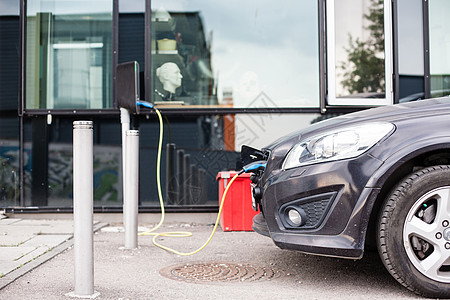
<point x="410" y="50"/>
<point x="69" y="54"/>
<point x="359" y="52"/>
<point x="439" y="47"/>
<point x="197" y="148"/>
<point x="410" y="37"/>
<point x="132" y="36"/>
<point x="9" y="54"/>
<point x="48" y="166"/>
<point x="132" y="33"/>
<point x="9" y="99"/>
<point x="233" y="53"/>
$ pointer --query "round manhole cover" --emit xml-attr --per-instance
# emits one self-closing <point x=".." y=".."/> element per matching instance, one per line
<point x="221" y="272"/>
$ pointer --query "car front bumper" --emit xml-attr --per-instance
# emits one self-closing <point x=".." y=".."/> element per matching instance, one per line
<point x="333" y="199"/>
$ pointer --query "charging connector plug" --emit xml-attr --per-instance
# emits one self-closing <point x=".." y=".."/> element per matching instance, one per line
<point x="144" y="104"/>
<point x="254" y="167"/>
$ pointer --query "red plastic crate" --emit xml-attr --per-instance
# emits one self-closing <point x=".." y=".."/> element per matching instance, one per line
<point x="237" y="212"/>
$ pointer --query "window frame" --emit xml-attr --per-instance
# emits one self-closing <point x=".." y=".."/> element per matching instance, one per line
<point x="327" y="101"/>
<point x="332" y="100"/>
<point x="29" y="112"/>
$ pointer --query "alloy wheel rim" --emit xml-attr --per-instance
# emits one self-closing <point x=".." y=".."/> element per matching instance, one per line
<point x="426" y="234"/>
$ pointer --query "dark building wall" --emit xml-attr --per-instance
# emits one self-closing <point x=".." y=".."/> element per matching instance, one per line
<point x="411" y="86"/>
<point x="132" y="38"/>
<point x="9" y="62"/>
<point x="9" y="120"/>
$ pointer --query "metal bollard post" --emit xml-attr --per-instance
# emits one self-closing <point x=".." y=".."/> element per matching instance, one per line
<point x="187" y="179"/>
<point x="170" y="173"/>
<point x="195" y="190"/>
<point x="203" y="186"/>
<point x="130" y="205"/>
<point x="83" y="202"/>
<point x="180" y="177"/>
<point x="125" y="121"/>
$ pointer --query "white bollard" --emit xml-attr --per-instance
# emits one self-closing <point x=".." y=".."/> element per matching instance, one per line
<point x="130" y="205"/>
<point x="125" y="121"/>
<point x="83" y="202"/>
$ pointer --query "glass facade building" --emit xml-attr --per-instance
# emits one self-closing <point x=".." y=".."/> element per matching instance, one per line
<point x="223" y="74"/>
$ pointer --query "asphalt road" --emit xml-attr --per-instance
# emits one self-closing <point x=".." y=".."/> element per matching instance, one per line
<point x="148" y="272"/>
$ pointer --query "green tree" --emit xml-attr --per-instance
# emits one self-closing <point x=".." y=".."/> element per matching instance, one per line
<point x="364" y="70"/>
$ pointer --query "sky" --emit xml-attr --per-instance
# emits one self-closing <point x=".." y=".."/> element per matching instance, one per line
<point x="61" y="7"/>
<point x="9" y="7"/>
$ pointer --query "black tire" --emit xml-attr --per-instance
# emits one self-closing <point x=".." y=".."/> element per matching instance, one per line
<point x="403" y="246"/>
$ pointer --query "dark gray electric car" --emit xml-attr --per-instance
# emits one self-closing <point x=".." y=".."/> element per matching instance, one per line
<point x="380" y="176"/>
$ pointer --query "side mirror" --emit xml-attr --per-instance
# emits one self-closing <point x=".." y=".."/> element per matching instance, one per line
<point x="127" y="86"/>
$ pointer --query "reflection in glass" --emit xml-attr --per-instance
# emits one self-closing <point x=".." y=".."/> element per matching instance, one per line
<point x="196" y="149"/>
<point x="9" y="7"/>
<point x="410" y="50"/>
<point x="9" y="93"/>
<point x="439" y="47"/>
<point x="9" y="55"/>
<point x="69" y="54"/>
<point x="229" y="57"/>
<point x="132" y="6"/>
<point x="106" y="173"/>
<point x="360" y="66"/>
<point x="9" y="162"/>
<point x="410" y="37"/>
<point x="58" y="173"/>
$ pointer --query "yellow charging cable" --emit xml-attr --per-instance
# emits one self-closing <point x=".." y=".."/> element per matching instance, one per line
<point x="177" y="233"/>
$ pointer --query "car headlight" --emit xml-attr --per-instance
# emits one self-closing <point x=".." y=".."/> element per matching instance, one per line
<point x="337" y="144"/>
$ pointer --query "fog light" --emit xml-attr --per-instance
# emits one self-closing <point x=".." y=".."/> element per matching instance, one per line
<point x="296" y="216"/>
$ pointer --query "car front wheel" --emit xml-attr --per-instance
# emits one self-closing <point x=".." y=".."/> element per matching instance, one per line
<point x="414" y="232"/>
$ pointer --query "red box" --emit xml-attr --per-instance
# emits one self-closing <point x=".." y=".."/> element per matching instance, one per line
<point x="237" y="212"/>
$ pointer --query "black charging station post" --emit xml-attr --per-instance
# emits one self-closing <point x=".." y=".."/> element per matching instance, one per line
<point x="127" y="86"/>
<point x="127" y="95"/>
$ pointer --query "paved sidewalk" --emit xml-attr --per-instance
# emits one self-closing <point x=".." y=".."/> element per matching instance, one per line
<point x="234" y="265"/>
<point x="26" y="244"/>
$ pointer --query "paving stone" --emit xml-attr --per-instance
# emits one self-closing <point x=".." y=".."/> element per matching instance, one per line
<point x="25" y="244"/>
<point x="8" y="266"/>
<point x="15" y="235"/>
<point x="47" y="226"/>
<point x="29" y="222"/>
<point x="14" y="253"/>
<point x="8" y="221"/>
<point x="20" y="229"/>
<point x="37" y="251"/>
<point x="66" y="228"/>
<point x="47" y="240"/>
<point x="11" y="240"/>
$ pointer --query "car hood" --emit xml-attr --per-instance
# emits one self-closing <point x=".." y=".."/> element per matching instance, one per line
<point x="389" y="113"/>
